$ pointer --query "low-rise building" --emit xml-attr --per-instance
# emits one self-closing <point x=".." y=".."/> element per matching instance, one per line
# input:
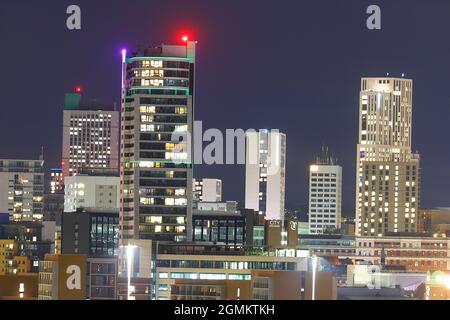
<point x="406" y="251"/>
<point x="202" y="261"/>
<point x="19" y="287"/>
<point x="62" y="277"/>
<point x="11" y="262"/>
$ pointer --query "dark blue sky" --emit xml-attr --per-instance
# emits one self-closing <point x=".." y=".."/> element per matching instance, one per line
<point x="287" y="64"/>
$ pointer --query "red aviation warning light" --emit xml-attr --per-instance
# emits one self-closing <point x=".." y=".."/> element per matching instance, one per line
<point x="185" y="38"/>
<point x="78" y="89"/>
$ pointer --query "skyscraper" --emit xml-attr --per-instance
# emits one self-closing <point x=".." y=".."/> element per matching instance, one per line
<point x="22" y="189"/>
<point x="156" y="153"/>
<point x="90" y="135"/>
<point x="265" y="171"/>
<point x="388" y="173"/>
<point x="325" y="194"/>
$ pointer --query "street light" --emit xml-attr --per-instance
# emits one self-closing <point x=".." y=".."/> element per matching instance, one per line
<point x="130" y="257"/>
<point x="314" y="271"/>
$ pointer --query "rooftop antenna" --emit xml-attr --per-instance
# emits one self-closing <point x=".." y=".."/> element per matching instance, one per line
<point x="41" y="156"/>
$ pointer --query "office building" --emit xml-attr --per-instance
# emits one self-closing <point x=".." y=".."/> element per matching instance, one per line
<point x="265" y="171"/>
<point x="325" y="195"/>
<point x="22" y="189"/>
<point x="222" y="223"/>
<point x="90" y="135"/>
<point x="91" y="191"/>
<point x="262" y="285"/>
<point x="93" y="232"/>
<point x="156" y="156"/>
<point x="217" y="262"/>
<point x="56" y="181"/>
<point x="208" y="190"/>
<point x="387" y="172"/>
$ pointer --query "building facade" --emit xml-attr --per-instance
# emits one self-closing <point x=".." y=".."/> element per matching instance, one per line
<point x="388" y="173"/>
<point x="22" y="189"/>
<point x="94" y="233"/>
<point x="265" y="172"/>
<point x="214" y="262"/>
<point x="83" y="191"/>
<point x="56" y="181"/>
<point x="62" y="277"/>
<point x="156" y="153"/>
<point x="208" y="190"/>
<point x="11" y="262"/>
<point x="90" y="136"/>
<point x="407" y="251"/>
<point x="325" y="195"/>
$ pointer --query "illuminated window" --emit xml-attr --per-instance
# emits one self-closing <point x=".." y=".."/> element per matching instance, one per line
<point x="157" y="73"/>
<point x="169" y="201"/>
<point x="147" y="128"/>
<point x="145" y="109"/>
<point x="181" y="110"/>
<point x="156" y="82"/>
<point x="147" y="118"/>
<point x="156" y="219"/>
<point x="156" y="63"/>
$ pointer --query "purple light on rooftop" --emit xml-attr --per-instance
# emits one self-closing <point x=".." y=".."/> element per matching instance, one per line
<point x="124" y="55"/>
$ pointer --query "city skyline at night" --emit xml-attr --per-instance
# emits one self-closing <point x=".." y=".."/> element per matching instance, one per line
<point x="307" y="80"/>
<point x="250" y="152"/>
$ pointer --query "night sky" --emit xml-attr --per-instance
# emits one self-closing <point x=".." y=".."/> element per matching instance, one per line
<point x="287" y="64"/>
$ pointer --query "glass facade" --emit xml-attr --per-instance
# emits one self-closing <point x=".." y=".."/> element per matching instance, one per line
<point x="104" y="236"/>
<point x="229" y="230"/>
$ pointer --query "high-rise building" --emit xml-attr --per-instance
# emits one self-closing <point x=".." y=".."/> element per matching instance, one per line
<point x="265" y="171"/>
<point x="387" y="172"/>
<point x="22" y="189"/>
<point x="156" y="155"/>
<point x="208" y="190"/>
<point x="90" y="136"/>
<point x="56" y="181"/>
<point x="325" y="194"/>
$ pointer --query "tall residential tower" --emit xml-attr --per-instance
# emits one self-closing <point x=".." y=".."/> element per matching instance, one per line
<point x="156" y="153"/>
<point x="90" y="136"/>
<point x="388" y="173"/>
<point x="265" y="170"/>
<point x="325" y="194"/>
